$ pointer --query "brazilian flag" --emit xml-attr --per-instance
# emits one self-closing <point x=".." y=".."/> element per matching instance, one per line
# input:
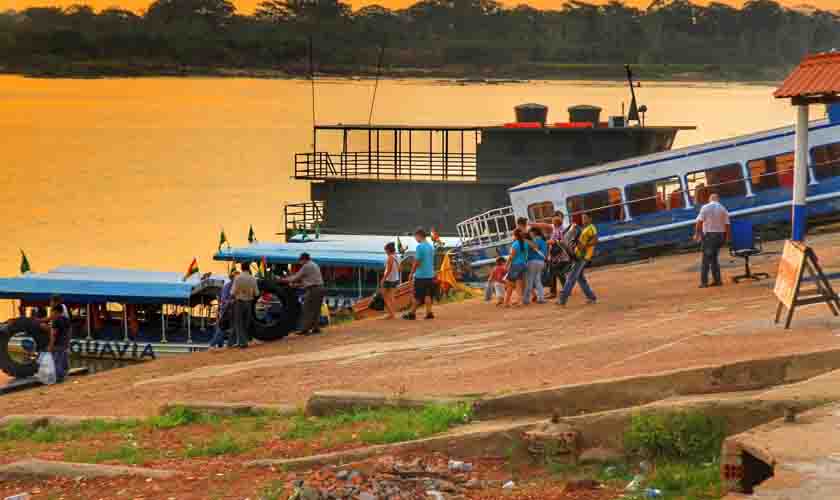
<point x="24" y="263"/>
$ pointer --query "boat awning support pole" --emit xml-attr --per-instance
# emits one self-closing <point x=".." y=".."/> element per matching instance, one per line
<point x="125" y="322"/>
<point x="189" y="323"/>
<point x="163" y="323"/>
<point x="89" y="335"/>
<point x="799" y="215"/>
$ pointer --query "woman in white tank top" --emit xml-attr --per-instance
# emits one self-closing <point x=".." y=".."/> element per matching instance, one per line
<point x="390" y="279"/>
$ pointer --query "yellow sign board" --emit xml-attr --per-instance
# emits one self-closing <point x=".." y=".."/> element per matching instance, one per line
<point x="797" y="258"/>
<point x="790" y="272"/>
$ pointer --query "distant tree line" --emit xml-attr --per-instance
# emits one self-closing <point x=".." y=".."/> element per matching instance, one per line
<point x="427" y="35"/>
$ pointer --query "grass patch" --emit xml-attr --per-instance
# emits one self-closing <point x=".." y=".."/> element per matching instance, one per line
<point x="690" y="481"/>
<point x="225" y="444"/>
<point x="681" y="436"/>
<point x="390" y="425"/>
<point x="22" y="431"/>
<point x="180" y="416"/>
<point x="124" y="454"/>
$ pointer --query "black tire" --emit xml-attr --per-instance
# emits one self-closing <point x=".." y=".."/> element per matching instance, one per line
<point x="9" y="365"/>
<point x="285" y="312"/>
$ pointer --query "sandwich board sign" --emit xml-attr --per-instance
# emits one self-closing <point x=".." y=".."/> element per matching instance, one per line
<point x="797" y="259"/>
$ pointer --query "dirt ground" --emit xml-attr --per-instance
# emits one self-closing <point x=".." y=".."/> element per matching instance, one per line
<point x="649" y="317"/>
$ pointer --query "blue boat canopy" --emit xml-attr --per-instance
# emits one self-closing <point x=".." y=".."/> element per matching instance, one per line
<point x="80" y="285"/>
<point x="352" y="250"/>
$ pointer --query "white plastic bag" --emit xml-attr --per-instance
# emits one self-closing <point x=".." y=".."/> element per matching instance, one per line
<point x="46" y="369"/>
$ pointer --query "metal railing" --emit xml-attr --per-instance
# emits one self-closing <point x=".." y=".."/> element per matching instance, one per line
<point x="490" y="227"/>
<point x="307" y="216"/>
<point x="386" y="166"/>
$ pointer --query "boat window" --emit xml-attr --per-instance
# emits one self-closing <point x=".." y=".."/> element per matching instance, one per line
<point x="826" y="161"/>
<point x="655" y="196"/>
<point x="603" y="206"/>
<point x="771" y="173"/>
<point x="541" y="212"/>
<point x="725" y="181"/>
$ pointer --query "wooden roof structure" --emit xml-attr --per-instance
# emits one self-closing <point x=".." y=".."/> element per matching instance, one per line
<point x="815" y="81"/>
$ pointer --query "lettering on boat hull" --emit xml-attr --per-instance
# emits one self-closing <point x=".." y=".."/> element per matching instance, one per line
<point x="112" y="349"/>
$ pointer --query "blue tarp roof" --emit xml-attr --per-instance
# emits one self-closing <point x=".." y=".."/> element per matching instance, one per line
<point x="351" y="250"/>
<point x="80" y="284"/>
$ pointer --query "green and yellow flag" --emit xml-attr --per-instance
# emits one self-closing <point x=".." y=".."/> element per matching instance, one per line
<point x="400" y="247"/>
<point x="193" y="269"/>
<point x="252" y="238"/>
<point x="223" y="239"/>
<point x="24" y="263"/>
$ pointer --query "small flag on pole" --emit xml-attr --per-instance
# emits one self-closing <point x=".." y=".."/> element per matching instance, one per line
<point x="24" y="263"/>
<point x="193" y="269"/>
<point x="252" y="238"/>
<point x="223" y="239"/>
<point x="400" y="247"/>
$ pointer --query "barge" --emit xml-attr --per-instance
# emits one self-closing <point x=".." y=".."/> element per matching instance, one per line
<point x="402" y="176"/>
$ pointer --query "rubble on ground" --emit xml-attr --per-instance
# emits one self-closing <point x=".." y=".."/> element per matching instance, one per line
<point x="433" y="477"/>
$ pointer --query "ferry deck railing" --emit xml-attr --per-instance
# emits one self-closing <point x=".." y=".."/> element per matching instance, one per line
<point x="306" y="216"/>
<point x="488" y="228"/>
<point x="384" y="165"/>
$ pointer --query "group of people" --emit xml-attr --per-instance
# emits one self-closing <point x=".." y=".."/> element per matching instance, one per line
<point x="559" y="251"/>
<point x="236" y="303"/>
<point x="50" y="328"/>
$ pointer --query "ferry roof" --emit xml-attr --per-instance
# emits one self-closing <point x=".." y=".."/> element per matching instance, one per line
<point x="674" y="154"/>
<point x="82" y="284"/>
<point x="351" y="250"/>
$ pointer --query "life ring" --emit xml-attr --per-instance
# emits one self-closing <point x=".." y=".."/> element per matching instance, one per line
<point x="276" y="313"/>
<point x="8" y="364"/>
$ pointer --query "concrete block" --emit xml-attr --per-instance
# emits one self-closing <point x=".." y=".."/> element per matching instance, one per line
<point x="48" y="469"/>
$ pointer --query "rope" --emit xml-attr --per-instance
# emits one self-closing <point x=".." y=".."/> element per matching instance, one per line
<point x="376" y="82"/>
<point x="312" y="79"/>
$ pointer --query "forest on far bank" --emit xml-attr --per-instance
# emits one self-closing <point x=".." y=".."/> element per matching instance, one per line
<point x="458" y="37"/>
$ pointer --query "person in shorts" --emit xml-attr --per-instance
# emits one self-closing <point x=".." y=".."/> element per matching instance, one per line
<point x="423" y="275"/>
<point x="516" y="267"/>
<point x="497" y="280"/>
<point x="390" y="279"/>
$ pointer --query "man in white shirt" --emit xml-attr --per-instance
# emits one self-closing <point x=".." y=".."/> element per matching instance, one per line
<point x="712" y="228"/>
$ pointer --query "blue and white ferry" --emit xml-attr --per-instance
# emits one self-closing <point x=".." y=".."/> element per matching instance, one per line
<point x="652" y="201"/>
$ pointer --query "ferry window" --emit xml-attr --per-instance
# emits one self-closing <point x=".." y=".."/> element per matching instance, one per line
<point x="603" y="206"/>
<point x="541" y="212"/>
<point x="655" y="196"/>
<point x="826" y="161"/>
<point x="771" y="173"/>
<point x="725" y="181"/>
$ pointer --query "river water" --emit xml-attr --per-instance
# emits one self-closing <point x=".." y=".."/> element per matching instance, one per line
<point x="143" y="173"/>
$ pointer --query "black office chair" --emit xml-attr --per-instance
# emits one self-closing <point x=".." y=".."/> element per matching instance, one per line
<point x="745" y="244"/>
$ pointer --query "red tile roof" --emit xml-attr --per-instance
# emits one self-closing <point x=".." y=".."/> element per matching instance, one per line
<point x="816" y="75"/>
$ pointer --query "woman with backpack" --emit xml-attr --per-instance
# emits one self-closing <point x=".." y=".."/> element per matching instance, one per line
<point x="516" y="267"/>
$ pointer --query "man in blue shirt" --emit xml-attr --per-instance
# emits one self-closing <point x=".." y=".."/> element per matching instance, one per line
<point x="423" y="275"/>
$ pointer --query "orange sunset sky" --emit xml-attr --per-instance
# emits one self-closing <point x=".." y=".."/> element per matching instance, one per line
<point x="247" y="6"/>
